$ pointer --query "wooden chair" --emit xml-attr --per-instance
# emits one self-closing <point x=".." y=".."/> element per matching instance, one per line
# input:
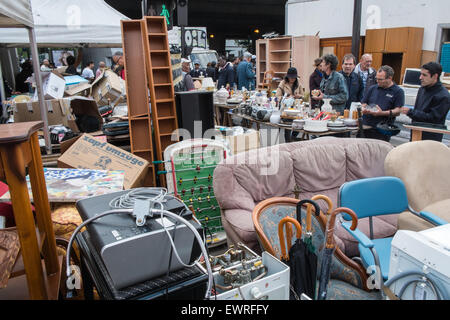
<point x="19" y="149"/>
<point x="344" y="271"/>
<point x="267" y="80"/>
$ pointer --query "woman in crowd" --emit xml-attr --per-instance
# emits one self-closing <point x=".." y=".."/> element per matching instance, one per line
<point x="290" y="86"/>
<point x="314" y="81"/>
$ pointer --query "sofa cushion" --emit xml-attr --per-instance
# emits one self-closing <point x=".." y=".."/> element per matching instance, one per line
<point x="319" y="167"/>
<point x="228" y="192"/>
<point x="409" y="221"/>
<point x="265" y="174"/>
<point x="367" y="152"/>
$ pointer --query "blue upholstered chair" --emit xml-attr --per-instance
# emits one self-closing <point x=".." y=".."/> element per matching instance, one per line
<point x="374" y="197"/>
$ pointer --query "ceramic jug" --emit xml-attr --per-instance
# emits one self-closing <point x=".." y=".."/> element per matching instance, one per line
<point x="275" y="117"/>
<point x="327" y="107"/>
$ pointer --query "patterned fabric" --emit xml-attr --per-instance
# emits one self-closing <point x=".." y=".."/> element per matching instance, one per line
<point x="269" y="220"/>
<point x="65" y="220"/>
<point x="339" y="290"/>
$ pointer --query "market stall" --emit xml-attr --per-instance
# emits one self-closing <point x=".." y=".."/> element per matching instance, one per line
<point x="18" y="15"/>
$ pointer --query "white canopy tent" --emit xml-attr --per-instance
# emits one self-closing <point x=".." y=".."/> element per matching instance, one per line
<point x="17" y="13"/>
<point x="68" y="23"/>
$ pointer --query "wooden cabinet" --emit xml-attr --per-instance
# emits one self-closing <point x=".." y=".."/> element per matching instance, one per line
<point x="375" y="40"/>
<point x="377" y="60"/>
<point x="400" y="48"/>
<point x="305" y="50"/>
<point x="396" y="40"/>
<point x="339" y="47"/>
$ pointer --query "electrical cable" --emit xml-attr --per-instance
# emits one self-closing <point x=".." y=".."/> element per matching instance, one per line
<point x="441" y="293"/>
<point x="163" y="212"/>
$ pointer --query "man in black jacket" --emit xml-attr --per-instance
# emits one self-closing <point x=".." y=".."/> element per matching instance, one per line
<point x="226" y="74"/>
<point x="432" y="102"/>
<point x="353" y="81"/>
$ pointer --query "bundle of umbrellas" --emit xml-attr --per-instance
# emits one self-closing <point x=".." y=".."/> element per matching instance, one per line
<point x="302" y="257"/>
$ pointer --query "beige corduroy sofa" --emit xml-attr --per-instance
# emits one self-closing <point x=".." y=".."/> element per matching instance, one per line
<point x="318" y="166"/>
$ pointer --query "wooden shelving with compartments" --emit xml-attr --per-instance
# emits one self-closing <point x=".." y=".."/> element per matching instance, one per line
<point x="139" y="115"/>
<point x="160" y="84"/>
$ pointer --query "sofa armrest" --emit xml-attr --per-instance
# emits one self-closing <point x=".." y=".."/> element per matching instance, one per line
<point x="358" y="235"/>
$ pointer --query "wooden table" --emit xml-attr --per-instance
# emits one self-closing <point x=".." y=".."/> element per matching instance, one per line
<point x="19" y="149"/>
<point x="305" y="134"/>
<point x="416" y="131"/>
<point x="225" y="118"/>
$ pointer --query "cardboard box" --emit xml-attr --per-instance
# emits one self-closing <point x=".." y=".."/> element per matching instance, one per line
<point x="89" y="153"/>
<point x="59" y="111"/>
<point x="108" y="88"/>
<point x="81" y="89"/>
<point x="74" y="81"/>
<point x="57" y="114"/>
<point x="53" y="85"/>
<point x="80" y="106"/>
<point x="244" y="142"/>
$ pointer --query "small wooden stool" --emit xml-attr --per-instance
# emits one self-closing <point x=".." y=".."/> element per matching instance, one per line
<point x="19" y="149"/>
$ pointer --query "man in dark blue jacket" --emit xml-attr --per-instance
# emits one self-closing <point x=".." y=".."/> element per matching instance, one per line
<point x="353" y="81"/>
<point x="226" y="74"/>
<point x="432" y="102"/>
<point x="381" y="102"/>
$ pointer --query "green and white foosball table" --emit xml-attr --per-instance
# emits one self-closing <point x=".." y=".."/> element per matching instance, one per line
<point x="189" y="168"/>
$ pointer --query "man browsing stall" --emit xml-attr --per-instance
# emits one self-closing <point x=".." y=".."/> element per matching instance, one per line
<point x="432" y="102"/>
<point x="382" y="100"/>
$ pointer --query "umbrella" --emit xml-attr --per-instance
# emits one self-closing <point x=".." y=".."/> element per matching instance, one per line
<point x="293" y="259"/>
<point x="328" y="250"/>
<point x="308" y="234"/>
<point x="302" y="259"/>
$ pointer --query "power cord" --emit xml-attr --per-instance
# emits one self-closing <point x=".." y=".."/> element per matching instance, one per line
<point x="122" y="204"/>
<point x="440" y="292"/>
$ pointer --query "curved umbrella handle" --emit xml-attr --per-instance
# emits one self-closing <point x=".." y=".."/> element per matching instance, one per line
<point x="332" y="222"/>
<point x="284" y="255"/>
<point x="326" y="199"/>
<point x="308" y="212"/>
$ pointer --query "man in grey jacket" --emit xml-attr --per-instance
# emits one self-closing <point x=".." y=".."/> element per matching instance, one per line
<point x="333" y="84"/>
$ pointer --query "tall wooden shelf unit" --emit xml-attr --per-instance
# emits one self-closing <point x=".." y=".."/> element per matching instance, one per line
<point x="160" y="83"/>
<point x="139" y="116"/>
<point x="262" y="60"/>
<point x="279" y="55"/>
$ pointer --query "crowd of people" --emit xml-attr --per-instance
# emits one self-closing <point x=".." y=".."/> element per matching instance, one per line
<point x="229" y="73"/>
<point x="380" y="97"/>
<point x="70" y="64"/>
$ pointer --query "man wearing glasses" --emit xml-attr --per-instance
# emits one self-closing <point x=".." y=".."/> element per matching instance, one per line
<point x="381" y="101"/>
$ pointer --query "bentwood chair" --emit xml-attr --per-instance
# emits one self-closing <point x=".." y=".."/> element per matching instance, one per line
<point x="348" y="278"/>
